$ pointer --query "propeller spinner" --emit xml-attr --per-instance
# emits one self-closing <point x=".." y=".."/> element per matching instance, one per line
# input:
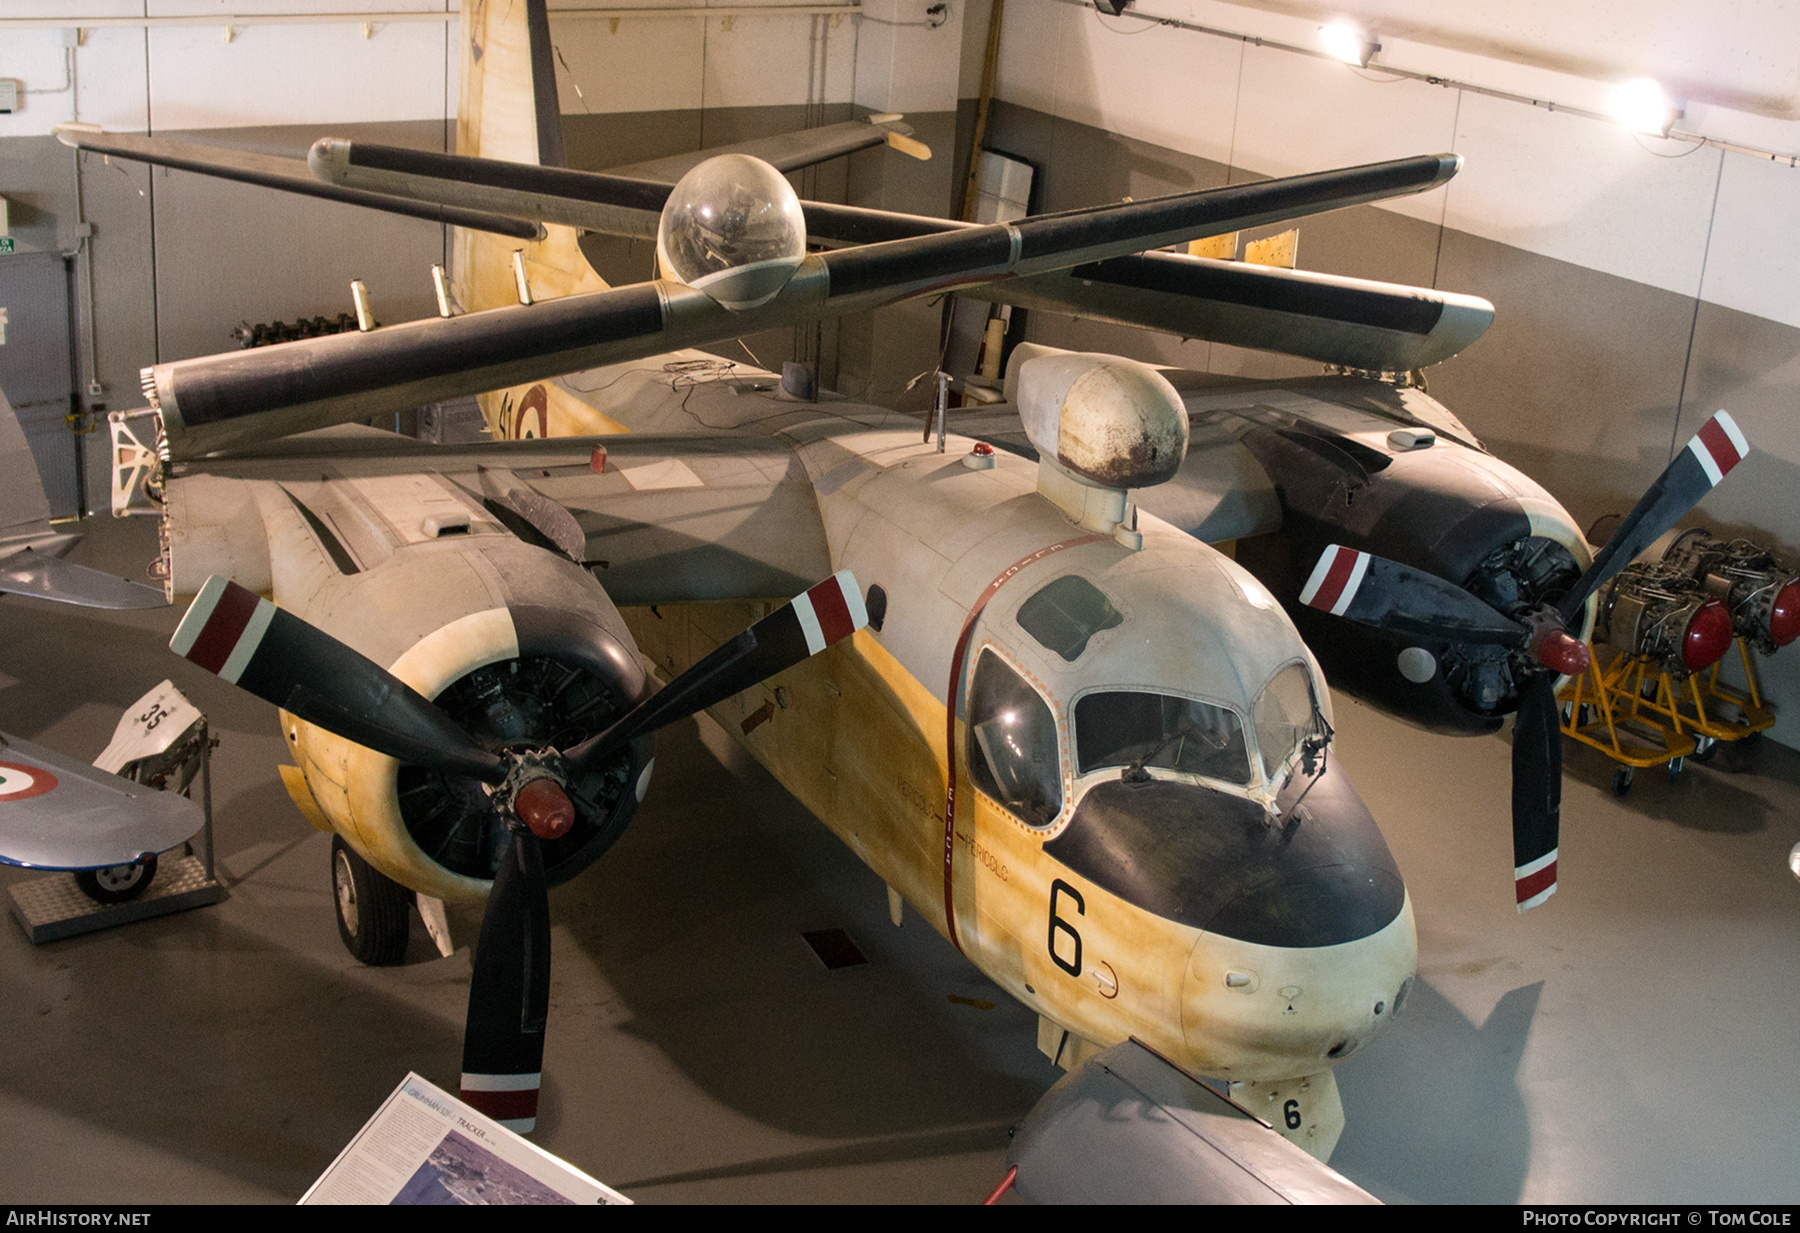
<point x="1403" y="599"/>
<point x="275" y="655"/>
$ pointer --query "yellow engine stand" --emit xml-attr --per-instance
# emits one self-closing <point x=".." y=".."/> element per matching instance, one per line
<point x="1643" y="716"/>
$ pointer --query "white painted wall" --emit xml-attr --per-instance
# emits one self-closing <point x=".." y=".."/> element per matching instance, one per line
<point x="1580" y="190"/>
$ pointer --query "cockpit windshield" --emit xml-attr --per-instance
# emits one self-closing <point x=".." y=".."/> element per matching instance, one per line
<point x="1143" y="729"/>
<point x="1286" y="714"/>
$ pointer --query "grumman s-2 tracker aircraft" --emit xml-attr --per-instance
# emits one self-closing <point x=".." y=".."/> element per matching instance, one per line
<point x="1088" y="748"/>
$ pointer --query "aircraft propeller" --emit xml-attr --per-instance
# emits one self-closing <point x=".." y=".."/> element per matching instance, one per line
<point x="275" y="655"/>
<point x="1403" y="599"/>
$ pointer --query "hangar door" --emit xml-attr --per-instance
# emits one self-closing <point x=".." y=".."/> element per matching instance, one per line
<point x="35" y="367"/>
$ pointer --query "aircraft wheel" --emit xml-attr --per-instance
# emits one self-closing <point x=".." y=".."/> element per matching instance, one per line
<point x="1621" y="781"/>
<point x="118" y="884"/>
<point x="371" y="908"/>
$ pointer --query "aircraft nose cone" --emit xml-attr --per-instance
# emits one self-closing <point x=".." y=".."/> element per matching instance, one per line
<point x="1214" y="861"/>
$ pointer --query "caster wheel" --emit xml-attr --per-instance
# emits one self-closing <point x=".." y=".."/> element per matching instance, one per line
<point x="1621" y="781"/>
<point x="1740" y="756"/>
<point x="1708" y="750"/>
<point x="1675" y="765"/>
<point x="371" y="908"/>
<point x="119" y="884"/>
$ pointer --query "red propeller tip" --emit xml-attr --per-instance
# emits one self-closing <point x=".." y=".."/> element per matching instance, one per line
<point x="1563" y="653"/>
<point x="545" y="808"/>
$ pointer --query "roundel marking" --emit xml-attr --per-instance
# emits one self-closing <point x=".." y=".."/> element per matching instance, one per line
<point x="536" y="399"/>
<point x="19" y="783"/>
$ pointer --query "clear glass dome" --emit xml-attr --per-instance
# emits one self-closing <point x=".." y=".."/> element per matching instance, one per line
<point x="732" y="228"/>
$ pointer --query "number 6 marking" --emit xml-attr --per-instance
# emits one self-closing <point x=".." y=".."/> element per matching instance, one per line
<point x="1071" y="965"/>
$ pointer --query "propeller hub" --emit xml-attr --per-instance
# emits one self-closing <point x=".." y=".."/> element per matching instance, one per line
<point x="1562" y="653"/>
<point x="545" y="808"/>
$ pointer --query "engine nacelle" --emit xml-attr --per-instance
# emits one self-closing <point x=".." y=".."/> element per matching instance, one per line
<point x="522" y="648"/>
<point x="1442" y="507"/>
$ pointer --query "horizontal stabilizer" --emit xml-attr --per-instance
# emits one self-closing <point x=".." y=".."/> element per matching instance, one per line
<point x="287" y="174"/>
<point x="1127" y="1127"/>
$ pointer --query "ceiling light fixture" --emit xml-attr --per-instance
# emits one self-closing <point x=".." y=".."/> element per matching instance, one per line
<point x="1643" y="105"/>
<point x="1349" y="42"/>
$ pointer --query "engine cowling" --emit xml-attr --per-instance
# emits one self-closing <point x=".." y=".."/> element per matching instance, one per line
<point x="512" y="677"/>
<point x="520" y="645"/>
<point x="1447" y="509"/>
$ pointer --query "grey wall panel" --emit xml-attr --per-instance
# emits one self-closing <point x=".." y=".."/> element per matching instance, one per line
<point x="1577" y="380"/>
<point x="229" y="253"/>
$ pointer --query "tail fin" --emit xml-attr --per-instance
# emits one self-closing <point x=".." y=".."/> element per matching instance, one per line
<point x="508" y="110"/>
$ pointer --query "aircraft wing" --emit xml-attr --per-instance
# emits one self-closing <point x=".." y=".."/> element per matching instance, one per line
<point x="287" y="174"/>
<point x="1127" y="1127"/>
<point x="218" y="401"/>
<point x="58" y="813"/>
<point x="662" y="520"/>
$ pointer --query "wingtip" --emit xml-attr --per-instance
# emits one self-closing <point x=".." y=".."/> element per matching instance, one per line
<point x="70" y="132"/>
<point x="1448" y="166"/>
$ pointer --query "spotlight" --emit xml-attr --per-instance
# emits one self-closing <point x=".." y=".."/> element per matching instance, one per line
<point x="1112" y="8"/>
<point x="1349" y="42"/>
<point x="1643" y="105"/>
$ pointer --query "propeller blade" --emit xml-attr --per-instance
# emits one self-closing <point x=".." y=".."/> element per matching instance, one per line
<point x="1537" y="792"/>
<point x="1389" y="595"/>
<point x="1708" y="458"/>
<point x="233" y="633"/>
<point x="796" y="631"/>
<point x="509" y="992"/>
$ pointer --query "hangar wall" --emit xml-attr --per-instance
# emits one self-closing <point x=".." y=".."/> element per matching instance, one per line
<point x="1640" y="284"/>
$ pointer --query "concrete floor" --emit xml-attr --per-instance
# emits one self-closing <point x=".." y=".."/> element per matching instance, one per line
<point x="1632" y="1041"/>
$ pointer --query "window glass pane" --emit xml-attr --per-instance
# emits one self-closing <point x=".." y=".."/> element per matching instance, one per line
<point x="1064" y="614"/>
<point x="1284" y="716"/>
<point x="1012" y="743"/>
<point x="1127" y="727"/>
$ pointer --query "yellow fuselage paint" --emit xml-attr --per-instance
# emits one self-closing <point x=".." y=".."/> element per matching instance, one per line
<point x="860" y="742"/>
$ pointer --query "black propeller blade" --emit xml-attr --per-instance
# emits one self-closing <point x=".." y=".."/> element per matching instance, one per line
<point x="1536" y="792"/>
<point x="1400" y="598"/>
<point x="509" y="990"/>
<point x="233" y="633"/>
<point x="815" y="619"/>
<point x="1708" y="457"/>
<point x="280" y="658"/>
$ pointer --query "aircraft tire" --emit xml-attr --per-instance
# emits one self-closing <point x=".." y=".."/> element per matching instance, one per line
<point x="119" y="884"/>
<point x="372" y="908"/>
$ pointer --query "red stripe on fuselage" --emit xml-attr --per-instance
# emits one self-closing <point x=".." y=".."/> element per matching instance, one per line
<point x="1535" y="883"/>
<point x="1718" y="443"/>
<point x="833" y="613"/>
<point x="219" y="636"/>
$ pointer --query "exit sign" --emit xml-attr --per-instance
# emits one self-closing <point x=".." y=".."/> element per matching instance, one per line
<point x="6" y="244"/>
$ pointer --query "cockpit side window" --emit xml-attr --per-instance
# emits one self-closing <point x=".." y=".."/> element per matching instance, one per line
<point x="1143" y="729"/>
<point x="1012" y="743"/>
<point x="1285" y="714"/>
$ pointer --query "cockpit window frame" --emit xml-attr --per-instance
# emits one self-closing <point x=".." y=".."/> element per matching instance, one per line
<point x="1112" y="772"/>
<point x="1315" y="683"/>
<point x="1060" y="722"/>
